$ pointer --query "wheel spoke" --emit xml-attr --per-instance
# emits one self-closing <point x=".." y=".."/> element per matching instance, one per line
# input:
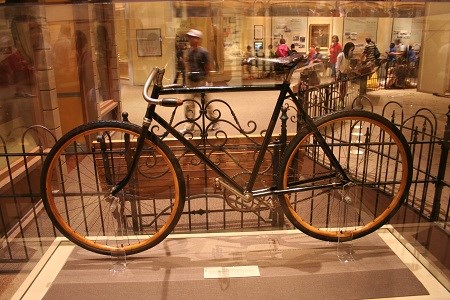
<point x="81" y="171"/>
<point x="376" y="159"/>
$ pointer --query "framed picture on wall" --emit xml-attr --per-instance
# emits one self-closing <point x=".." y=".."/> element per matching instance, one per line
<point x="258" y="32"/>
<point x="149" y="42"/>
<point x="319" y="35"/>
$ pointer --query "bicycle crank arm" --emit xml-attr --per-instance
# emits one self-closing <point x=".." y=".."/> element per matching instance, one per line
<point x="248" y="197"/>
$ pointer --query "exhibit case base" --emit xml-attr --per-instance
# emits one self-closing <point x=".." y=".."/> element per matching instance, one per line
<point x="285" y="264"/>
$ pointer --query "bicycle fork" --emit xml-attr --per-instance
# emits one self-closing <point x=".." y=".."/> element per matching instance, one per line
<point x="134" y="162"/>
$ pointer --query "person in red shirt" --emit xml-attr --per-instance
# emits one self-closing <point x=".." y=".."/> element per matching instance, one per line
<point x="311" y="55"/>
<point x="14" y="69"/>
<point x="335" y="49"/>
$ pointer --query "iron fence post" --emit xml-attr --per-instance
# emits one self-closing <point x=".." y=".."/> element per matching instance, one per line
<point x="441" y="171"/>
<point x="363" y="85"/>
<point x="388" y="63"/>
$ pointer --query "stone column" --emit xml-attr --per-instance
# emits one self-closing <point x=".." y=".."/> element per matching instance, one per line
<point x="45" y="76"/>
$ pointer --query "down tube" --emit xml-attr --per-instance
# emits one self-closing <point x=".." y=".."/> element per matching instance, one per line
<point x="196" y="151"/>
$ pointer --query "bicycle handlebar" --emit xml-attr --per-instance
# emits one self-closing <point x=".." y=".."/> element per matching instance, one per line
<point x="168" y="102"/>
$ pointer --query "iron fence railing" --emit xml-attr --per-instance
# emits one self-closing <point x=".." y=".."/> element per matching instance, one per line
<point x="23" y="219"/>
<point x="399" y="74"/>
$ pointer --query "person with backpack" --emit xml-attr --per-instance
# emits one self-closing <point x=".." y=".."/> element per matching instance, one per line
<point x="371" y="52"/>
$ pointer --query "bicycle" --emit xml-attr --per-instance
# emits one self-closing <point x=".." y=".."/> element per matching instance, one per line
<point x="113" y="186"/>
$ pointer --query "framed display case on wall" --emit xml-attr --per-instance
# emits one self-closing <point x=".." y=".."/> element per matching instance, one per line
<point x="319" y="35"/>
<point x="149" y="42"/>
<point x="258" y="32"/>
<point x="259" y="48"/>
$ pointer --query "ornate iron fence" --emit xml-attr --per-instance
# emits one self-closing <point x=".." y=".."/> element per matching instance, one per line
<point x="23" y="219"/>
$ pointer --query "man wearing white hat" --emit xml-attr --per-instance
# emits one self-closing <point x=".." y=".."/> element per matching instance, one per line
<point x="198" y="68"/>
<point x="198" y="61"/>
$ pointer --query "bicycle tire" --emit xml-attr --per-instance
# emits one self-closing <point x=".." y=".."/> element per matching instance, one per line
<point x="375" y="156"/>
<point x="83" y="166"/>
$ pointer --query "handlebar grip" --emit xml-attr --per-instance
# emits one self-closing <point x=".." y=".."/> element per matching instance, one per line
<point x="170" y="102"/>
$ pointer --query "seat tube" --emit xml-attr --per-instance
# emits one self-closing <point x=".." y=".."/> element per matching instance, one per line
<point x="273" y="120"/>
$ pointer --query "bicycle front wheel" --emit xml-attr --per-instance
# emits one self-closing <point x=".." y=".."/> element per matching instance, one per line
<point x="80" y="172"/>
<point x="328" y="205"/>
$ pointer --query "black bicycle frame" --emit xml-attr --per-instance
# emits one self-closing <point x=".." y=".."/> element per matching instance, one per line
<point x="285" y="93"/>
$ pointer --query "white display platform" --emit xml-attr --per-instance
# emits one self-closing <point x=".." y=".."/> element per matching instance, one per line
<point x="210" y="257"/>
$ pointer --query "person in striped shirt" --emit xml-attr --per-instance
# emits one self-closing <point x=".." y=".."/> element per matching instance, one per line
<point x="369" y="51"/>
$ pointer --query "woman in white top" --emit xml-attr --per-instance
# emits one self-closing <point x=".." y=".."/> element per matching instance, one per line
<point x="343" y="69"/>
<point x="343" y="61"/>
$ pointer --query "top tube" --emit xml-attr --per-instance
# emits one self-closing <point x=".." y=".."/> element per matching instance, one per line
<point x="178" y="89"/>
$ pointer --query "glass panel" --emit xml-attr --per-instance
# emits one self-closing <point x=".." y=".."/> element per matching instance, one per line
<point x="60" y="62"/>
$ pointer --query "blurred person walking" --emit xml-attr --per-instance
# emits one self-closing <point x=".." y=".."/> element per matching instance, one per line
<point x="198" y="67"/>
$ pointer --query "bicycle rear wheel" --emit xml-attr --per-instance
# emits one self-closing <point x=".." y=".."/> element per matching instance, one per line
<point x="376" y="159"/>
<point x="79" y="173"/>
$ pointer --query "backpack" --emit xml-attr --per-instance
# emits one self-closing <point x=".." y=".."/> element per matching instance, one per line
<point x="376" y="52"/>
